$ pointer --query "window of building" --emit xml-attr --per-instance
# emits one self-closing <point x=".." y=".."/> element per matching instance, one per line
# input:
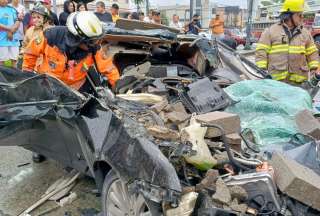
<point x="198" y="3"/>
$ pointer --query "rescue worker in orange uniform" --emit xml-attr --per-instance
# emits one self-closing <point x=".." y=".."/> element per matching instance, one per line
<point x="286" y="49"/>
<point x="69" y="51"/>
<point x="41" y="18"/>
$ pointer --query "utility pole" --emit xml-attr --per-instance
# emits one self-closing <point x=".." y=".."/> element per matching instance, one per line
<point x="191" y="9"/>
<point x="147" y="7"/>
<point x="249" y="24"/>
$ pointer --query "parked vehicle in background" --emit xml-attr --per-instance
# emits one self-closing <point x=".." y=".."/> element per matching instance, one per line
<point x="239" y="36"/>
<point x="236" y="35"/>
<point x="316" y="29"/>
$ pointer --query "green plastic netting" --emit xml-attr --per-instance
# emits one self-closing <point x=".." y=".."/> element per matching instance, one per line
<point x="268" y="108"/>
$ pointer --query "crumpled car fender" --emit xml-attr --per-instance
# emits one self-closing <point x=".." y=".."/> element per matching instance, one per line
<point x="133" y="156"/>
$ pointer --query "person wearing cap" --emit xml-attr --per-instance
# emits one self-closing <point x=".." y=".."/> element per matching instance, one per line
<point x="156" y="18"/>
<point x="28" y="22"/>
<point x="194" y="26"/>
<point x="115" y="12"/>
<point x="287" y="50"/>
<point x="69" y="51"/>
<point x="41" y="20"/>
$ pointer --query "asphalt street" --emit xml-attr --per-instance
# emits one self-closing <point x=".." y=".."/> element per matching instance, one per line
<point x="22" y="183"/>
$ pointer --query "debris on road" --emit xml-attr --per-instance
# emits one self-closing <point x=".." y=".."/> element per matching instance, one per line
<point x="143" y="97"/>
<point x="24" y="164"/>
<point x="194" y="134"/>
<point x="58" y="184"/>
<point x="47" y="211"/>
<point x="297" y="181"/>
<point x="164" y="133"/>
<point x="57" y="189"/>
<point x="186" y="206"/>
<point x="89" y="212"/>
<point x="222" y="195"/>
<point x="228" y="121"/>
<point x="238" y="193"/>
<point x="308" y="124"/>
<point x="68" y="199"/>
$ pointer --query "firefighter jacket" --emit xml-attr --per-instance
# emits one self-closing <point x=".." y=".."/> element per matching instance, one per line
<point x="287" y="55"/>
<point x="63" y="59"/>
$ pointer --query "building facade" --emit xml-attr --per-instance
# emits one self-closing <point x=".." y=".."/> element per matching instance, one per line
<point x="201" y="7"/>
<point x="234" y="16"/>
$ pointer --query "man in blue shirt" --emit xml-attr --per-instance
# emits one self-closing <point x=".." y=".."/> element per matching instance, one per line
<point x="194" y="27"/>
<point x="9" y="24"/>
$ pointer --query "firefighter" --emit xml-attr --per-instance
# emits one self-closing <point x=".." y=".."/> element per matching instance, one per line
<point x="40" y="16"/>
<point x="286" y="49"/>
<point x="69" y="51"/>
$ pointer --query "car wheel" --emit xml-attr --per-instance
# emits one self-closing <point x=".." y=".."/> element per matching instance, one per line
<point x="116" y="200"/>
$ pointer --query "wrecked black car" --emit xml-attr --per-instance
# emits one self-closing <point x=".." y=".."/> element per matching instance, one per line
<point x="43" y="115"/>
<point x="155" y="54"/>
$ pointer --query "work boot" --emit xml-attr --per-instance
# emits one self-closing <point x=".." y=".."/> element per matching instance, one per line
<point x="38" y="158"/>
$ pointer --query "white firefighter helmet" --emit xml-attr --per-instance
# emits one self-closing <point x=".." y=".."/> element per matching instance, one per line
<point x="84" y="24"/>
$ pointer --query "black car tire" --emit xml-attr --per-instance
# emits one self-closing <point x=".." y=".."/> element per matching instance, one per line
<point x="110" y="181"/>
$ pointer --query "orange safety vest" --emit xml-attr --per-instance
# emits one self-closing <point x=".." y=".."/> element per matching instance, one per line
<point x="56" y="63"/>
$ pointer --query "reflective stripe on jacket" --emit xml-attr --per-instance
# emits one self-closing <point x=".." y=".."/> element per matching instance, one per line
<point x="289" y="60"/>
<point x="56" y="63"/>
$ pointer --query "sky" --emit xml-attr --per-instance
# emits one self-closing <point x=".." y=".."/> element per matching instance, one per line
<point x="241" y="3"/>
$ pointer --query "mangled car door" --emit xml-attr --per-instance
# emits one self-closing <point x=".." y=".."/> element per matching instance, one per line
<point x="34" y="110"/>
<point x="125" y="144"/>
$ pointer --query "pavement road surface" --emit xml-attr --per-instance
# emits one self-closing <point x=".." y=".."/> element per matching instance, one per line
<point x="22" y="183"/>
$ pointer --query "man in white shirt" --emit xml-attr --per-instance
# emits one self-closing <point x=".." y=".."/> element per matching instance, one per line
<point x="149" y="17"/>
<point x="175" y="23"/>
<point x="19" y="35"/>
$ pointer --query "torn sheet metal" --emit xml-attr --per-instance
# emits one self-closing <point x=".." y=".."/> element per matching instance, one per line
<point x="137" y="24"/>
<point x="127" y="148"/>
<point x="29" y="96"/>
<point x="153" y="34"/>
<point x="88" y="134"/>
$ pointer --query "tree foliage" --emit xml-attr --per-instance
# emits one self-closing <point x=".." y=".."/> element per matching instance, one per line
<point x="138" y="2"/>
